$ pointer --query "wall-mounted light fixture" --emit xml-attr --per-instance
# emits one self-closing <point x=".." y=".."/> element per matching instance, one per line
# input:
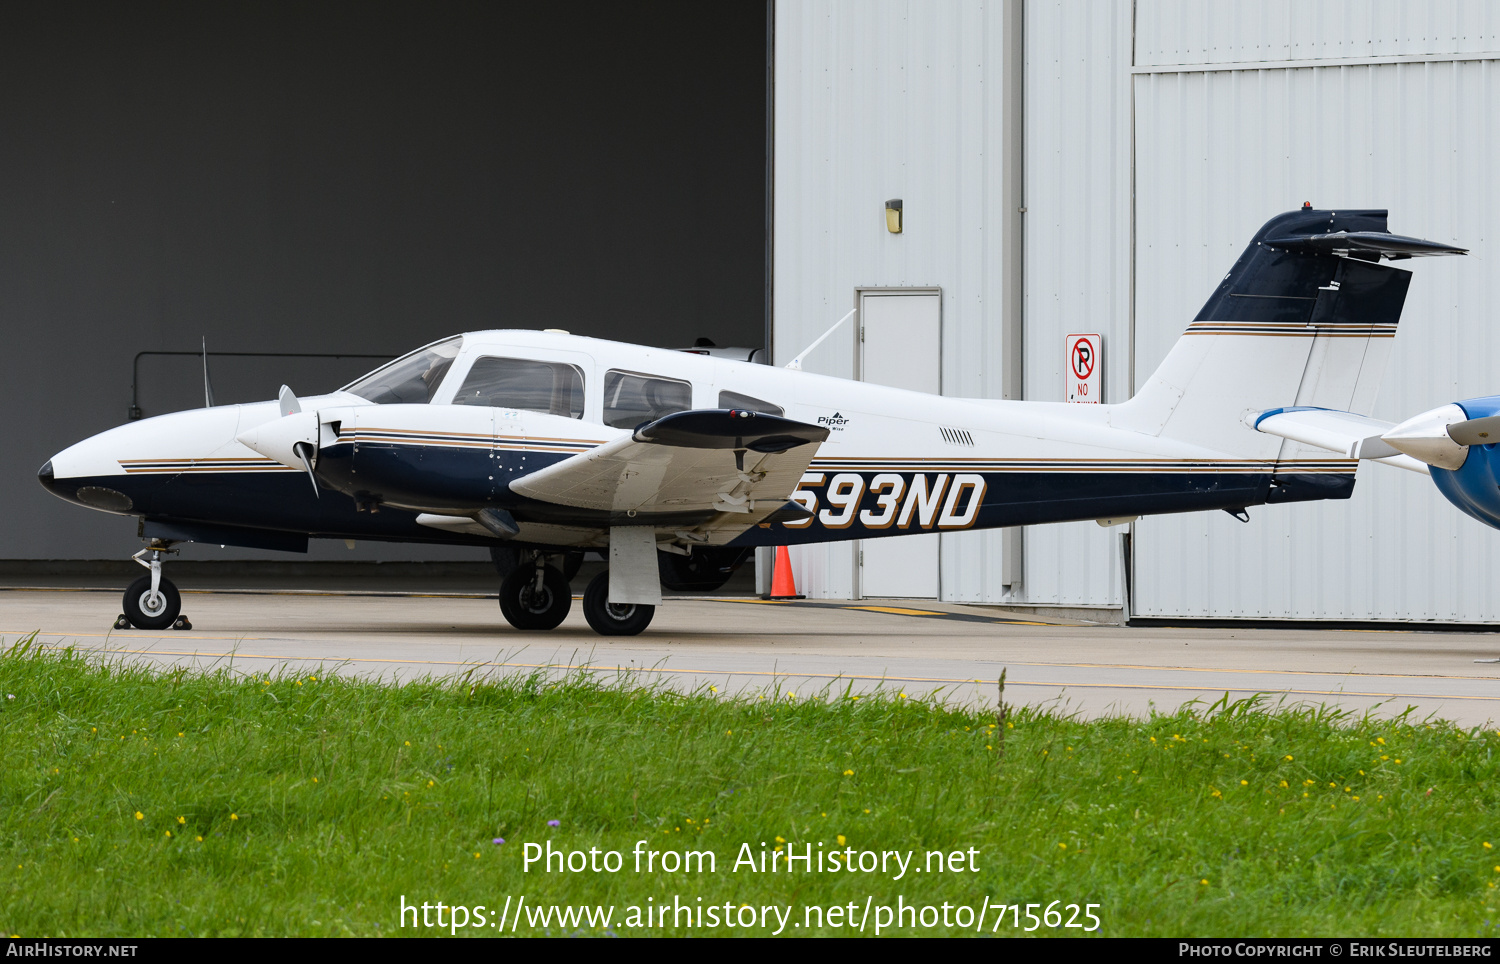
<point x="893" y="215"/>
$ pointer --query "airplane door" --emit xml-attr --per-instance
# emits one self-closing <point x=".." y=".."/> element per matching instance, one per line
<point x="901" y="347"/>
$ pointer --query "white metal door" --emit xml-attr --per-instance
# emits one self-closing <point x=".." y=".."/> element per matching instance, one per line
<point x="901" y="346"/>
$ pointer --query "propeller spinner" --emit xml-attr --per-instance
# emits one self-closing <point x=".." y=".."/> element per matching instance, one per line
<point x="1440" y="437"/>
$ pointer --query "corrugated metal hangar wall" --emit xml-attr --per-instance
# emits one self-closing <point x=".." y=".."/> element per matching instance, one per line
<point x="1157" y="137"/>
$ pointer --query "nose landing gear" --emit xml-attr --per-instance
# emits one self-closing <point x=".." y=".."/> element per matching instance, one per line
<point x="152" y="601"/>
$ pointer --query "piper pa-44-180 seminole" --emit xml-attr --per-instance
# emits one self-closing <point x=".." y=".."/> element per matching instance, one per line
<point x="677" y="464"/>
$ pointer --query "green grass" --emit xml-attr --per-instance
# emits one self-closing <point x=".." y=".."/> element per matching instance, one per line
<point x="301" y="806"/>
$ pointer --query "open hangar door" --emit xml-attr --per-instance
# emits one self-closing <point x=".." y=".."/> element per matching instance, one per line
<point x="1219" y="148"/>
<point x="319" y="179"/>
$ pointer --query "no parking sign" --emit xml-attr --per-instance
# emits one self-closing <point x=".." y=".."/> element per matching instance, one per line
<point x="1081" y="368"/>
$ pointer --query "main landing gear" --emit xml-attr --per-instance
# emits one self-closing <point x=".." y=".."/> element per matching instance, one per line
<point x="534" y="595"/>
<point x="152" y="602"/>
<point x="613" y="619"/>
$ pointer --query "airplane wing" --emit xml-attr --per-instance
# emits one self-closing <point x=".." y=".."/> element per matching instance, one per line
<point x="736" y="467"/>
<point x="1353" y="436"/>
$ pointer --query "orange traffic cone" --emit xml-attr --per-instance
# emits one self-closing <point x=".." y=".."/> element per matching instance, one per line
<point x="783" y="586"/>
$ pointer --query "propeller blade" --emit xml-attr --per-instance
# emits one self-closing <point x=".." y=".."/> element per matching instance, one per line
<point x="1476" y="431"/>
<point x="304" y="452"/>
<point x="288" y="400"/>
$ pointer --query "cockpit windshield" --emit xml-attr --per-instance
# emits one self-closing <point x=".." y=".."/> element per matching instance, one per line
<point x="411" y="379"/>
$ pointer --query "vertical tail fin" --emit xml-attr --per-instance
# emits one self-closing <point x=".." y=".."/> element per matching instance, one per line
<point x="1305" y="317"/>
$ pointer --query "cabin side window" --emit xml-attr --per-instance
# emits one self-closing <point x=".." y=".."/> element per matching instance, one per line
<point x="555" y="388"/>
<point x="631" y="398"/>
<point x="749" y="403"/>
<point x="411" y="379"/>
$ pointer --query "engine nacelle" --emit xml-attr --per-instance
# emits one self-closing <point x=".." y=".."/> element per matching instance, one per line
<point x="1475" y="485"/>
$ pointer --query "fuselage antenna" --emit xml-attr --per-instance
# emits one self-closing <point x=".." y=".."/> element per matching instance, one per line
<point x="796" y="363"/>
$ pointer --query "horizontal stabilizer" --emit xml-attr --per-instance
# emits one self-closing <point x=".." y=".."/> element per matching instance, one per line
<point x="1352" y="436"/>
<point x="1369" y="245"/>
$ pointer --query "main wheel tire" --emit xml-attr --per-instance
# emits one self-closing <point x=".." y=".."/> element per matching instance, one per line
<point x="527" y="608"/>
<point x="613" y="619"/>
<point x="146" y="612"/>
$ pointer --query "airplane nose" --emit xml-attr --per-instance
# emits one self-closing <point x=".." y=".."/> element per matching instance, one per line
<point x="44" y="475"/>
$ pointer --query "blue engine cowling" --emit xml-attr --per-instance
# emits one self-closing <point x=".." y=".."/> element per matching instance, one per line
<point x="1475" y="486"/>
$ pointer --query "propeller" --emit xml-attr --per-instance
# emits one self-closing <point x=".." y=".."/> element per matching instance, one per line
<point x="1429" y="437"/>
<point x="304" y="451"/>
<point x="291" y="440"/>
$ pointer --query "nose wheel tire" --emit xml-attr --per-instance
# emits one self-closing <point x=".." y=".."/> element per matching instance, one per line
<point x="613" y="619"/>
<point x="529" y="607"/>
<point x="147" y="610"/>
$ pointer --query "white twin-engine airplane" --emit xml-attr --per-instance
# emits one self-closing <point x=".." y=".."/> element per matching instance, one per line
<point x="680" y="464"/>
